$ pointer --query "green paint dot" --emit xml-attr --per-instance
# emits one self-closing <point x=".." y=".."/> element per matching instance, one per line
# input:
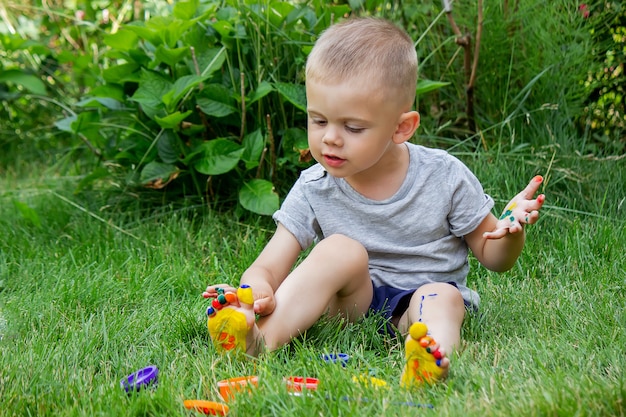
<point x="505" y="214"/>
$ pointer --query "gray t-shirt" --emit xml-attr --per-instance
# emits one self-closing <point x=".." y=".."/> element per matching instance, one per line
<point x="414" y="237"/>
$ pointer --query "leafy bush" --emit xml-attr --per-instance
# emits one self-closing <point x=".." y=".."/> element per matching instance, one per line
<point x="208" y="99"/>
<point x="46" y="58"/>
<point x="209" y="96"/>
<point x="205" y="98"/>
<point x="605" y="110"/>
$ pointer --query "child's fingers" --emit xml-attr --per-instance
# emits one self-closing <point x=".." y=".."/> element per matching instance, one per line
<point x="532" y="187"/>
<point x="496" y="234"/>
<point x="528" y="211"/>
<point x="264" y="306"/>
<point x="531" y="218"/>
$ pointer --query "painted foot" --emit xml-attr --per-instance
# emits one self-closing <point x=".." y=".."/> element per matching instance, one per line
<point x="424" y="361"/>
<point x="231" y="317"/>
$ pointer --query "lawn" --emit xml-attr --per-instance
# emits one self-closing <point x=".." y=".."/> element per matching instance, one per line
<point x="95" y="286"/>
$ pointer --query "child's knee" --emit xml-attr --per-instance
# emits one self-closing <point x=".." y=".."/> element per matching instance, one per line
<point x="344" y="249"/>
<point x="440" y="292"/>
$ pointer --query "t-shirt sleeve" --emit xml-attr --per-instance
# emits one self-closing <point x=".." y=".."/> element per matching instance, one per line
<point x="297" y="215"/>
<point x="470" y="205"/>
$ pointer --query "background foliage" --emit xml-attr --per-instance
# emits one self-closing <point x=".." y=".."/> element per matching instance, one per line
<point x="605" y="108"/>
<point x="204" y="99"/>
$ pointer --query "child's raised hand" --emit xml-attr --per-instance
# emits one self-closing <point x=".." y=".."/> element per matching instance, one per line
<point x="522" y="209"/>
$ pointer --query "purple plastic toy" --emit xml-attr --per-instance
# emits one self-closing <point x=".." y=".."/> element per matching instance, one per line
<point x="140" y="379"/>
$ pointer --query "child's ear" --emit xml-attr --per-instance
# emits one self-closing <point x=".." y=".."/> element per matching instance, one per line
<point x="407" y="125"/>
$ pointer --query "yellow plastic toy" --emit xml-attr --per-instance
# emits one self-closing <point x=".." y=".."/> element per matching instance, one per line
<point x="422" y="364"/>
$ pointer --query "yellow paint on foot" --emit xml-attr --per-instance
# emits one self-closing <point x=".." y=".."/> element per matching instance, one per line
<point x="421" y="365"/>
<point x="245" y="295"/>
<point x="228" y="330"/>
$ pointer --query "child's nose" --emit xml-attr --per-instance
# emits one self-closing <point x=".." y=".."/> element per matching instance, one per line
<point x="331" y="136"/>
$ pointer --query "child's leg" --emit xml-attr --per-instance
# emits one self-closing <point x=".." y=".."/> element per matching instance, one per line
<point x="334" y="278"/>
<point x="441" y="309"/>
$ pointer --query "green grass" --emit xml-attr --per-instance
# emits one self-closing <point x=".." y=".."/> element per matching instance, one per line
<point x="100" y="289"/>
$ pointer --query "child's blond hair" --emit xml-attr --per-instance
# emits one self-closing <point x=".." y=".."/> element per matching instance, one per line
<point x="366" y="47"/>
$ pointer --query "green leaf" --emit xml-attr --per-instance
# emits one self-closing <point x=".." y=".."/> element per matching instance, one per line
<point x="172" y="121"/>
<point x="215" y="108"/>
<point x="167" y="147"/>
<point x="29" y="82"/>
<point x="122" y="40"/>
<point x="155" y="171"/>
<point x="210" y="60"/>
<point x="116" y="92"/>
<point x="297" y="138"/>
<point x="253" y="144"/>
<point x="85" y="123"/>
<point x="262" y="90"/>
<point x="185" y="9"/>
<point x="150" y="30"/>
<point x="217" y="156"/>
<point x="294" y="93"/>
<point x="65" y="124"/>
<point x="173" y="32"/>
<point x="224" y="28"/>
<point x="107" y="102"/>
<point x="259" y="197"/>
<point x="181" y="86"/>
<point x="169" y="56"/>
<point x="152" y="88"/>
<point x="120" y="73"/>
<point x="28" y="213"/>
<point x="279" y="10"/>
<point x="426" y="86"/>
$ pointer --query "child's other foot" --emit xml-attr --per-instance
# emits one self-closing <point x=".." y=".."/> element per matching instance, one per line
<point x="424" y="361"/>
<point x="231" y="317"/>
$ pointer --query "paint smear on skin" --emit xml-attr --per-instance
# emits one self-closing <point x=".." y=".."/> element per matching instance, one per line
<point x="422" y="304"/>
<point x="508" y="211"/>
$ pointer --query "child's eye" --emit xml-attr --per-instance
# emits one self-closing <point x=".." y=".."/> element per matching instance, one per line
<point x="319" y="122"/>
<point x="354" y="129"/>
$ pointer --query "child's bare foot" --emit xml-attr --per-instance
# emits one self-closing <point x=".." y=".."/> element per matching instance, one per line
<point x="231" y="319"/>
<point x="424" y="361"/>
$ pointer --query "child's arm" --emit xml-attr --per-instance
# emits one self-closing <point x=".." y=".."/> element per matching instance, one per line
<point x="268" y="271"/>
<point x="270" y="268"/>
<point x="497" y="243"/>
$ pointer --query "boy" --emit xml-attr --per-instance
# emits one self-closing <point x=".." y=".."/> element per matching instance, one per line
<point x="391" y="221"/>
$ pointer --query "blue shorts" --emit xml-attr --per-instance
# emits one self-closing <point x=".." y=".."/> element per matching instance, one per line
<point x="392" y="302"/>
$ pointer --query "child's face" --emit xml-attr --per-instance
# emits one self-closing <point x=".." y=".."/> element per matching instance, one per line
<point x="351" y="126"/>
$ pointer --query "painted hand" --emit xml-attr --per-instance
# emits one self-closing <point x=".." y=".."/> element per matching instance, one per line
<point x="522" y="209"/>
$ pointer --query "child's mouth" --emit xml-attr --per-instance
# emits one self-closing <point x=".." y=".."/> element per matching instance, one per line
<point x="333" y="161"/>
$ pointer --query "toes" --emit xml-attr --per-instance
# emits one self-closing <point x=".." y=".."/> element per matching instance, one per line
<point x="437" y="352"/>
<point x="223" y="299"/>
<point x="425" y="360"/>
<point x="244" y="294"/>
